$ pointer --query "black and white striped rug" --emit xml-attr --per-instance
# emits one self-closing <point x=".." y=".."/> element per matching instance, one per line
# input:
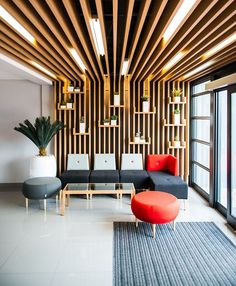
<point x="196" y="253"/>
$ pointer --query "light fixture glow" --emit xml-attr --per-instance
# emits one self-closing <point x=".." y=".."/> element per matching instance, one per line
<point x="16" y="25"/>
<point x="125" y="67"/>
<point x="97" y="36"/>
<point x="43" y="69"/>
<point x="173" y="61"/>
<point x="198" y="69"/>
<point x="78" y="59"/>
<point x="178" y="18"/>
<point x="24" y="68"/>
<point x="221" y="45"/>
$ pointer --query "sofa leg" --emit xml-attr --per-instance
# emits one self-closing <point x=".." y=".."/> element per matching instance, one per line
<point x="173" y="224"/>
<point x="26" y="203"/>
<point x="136" y="222"/>
<point x="154" y="231"/>
<point x="186" y="204"/>
<point x="45" y="204"/>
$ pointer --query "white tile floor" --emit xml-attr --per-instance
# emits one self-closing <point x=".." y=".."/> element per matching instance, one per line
<point x="38" y="249"/>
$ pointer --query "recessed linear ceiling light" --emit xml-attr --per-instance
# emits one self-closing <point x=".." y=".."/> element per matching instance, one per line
<point x="24" y="68"/>
<point x="178" y="18"/>
<point x="173" y="61"/>
<point x="43" y="69"/>
<point x="221" y="45"/>
<point x="125" y="67"/>
<point x="16" y="25"/>
<point x="78" y="59"/>
<point x="198" y="69"/>
<point x="97" y="36"/>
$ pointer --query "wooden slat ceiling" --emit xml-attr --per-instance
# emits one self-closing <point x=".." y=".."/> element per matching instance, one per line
<point x="131" y="29"/>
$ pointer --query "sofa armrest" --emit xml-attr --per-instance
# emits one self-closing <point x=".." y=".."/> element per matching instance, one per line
<point x="163" y="162"/>
<point x="172" y="163"/>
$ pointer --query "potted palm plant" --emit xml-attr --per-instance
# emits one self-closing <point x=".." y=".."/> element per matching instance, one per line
<point x="177" y="116"/>
<point x="114" y="120"/>
<point x="41" y="133"/>
<point x="82" y="125"/>
<point x="145" y="99"/>
<point x="176" y="95"/>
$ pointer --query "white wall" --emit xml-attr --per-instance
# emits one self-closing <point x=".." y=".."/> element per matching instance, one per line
<point x="20" y="100"/>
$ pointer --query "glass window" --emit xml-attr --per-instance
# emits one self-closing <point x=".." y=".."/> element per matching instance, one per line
<point x="233" y="154"/>
<point x="201" y="177"/>
<point x="201" y="129"/>
<point x="201" y="105"/>
<point x="201" y="154"/>
<point x="199" y="87"/>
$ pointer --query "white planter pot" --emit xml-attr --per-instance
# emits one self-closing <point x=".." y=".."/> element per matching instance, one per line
<point x="176" y="119"/>
<point x="70" y="88"/>
<point x="43" y="166"/>
<point x="176" y="143"/>
<point x="106" y="123"/>
<point x="145" y="106"/>
<point x="69" y="105"/>
<point x="177" y="99"/>
<point x="113" y="122"/>
<point x="82" y="127"/>
<point x="136" y="139"/>
<point x="63" y="106"/>
<point x="142" y="140"/>
<point x="77" y="89"/>
<point x="116" y="99"/>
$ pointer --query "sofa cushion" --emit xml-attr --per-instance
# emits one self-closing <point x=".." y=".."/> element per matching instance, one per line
<point x="164" y="182"/>
<point x="104" y="176"/>
<point x="104" y="162"/>
<point x="74" y="176"/>
<point x="131" y="162"/>
<point x="78" y="162"/>
<point x="139" y="178"/>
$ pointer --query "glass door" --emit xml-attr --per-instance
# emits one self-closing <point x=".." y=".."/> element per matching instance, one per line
<point x="225" y="159"/>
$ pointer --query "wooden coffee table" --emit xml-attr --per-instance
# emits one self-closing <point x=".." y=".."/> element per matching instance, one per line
<point x="90" y="189"/>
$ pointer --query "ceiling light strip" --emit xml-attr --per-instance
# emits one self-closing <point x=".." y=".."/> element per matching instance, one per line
<point x="16" y="25"/>
<point x="78" y="59"/>
<point x="173" y="61"/>
<point x="97" y="36"/>
<point x="178" y="18"/>
<point x="43" y="69"/>
<point x="198" y="69"/>
<point x="125" y="67"/>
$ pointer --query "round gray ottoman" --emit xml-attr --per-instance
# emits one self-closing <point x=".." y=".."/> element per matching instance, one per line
<point x="41" y="188"/>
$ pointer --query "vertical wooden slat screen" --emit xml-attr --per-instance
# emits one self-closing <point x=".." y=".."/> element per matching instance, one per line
<point x="96" y="103"/>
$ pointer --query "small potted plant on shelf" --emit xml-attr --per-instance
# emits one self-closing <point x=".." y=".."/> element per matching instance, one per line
<point x="142" y="139"/>
<point x="63" y="104"/>
<point x="77" y="89"/>
<point x="137" y="137"/>
<point x="69" y="103"/>
<point x="106" y="121"/>
<point x="70" y="88"/>
<point x="176" y="142"/>
<point x="82" y="125"/>
<point x="145" y="99"/>
<point x="177" y="116"/>
<point x="116" y="98"/>
<point x="176" y="94"/>
<point x="114" y="120"/>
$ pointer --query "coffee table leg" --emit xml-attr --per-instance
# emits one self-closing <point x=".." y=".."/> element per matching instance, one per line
<point x="63" y="201"/>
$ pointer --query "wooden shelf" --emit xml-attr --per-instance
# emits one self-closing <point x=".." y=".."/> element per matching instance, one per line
<point x="141" y="112"/>
<point x="144" y="143"/>
<point x="62" y="109"/>
<point x="182" y="145"/>
<point x="118" y="106"/>
<point x="73" y="92"/>
<point x="181" y="102"/>
<point x="172" y="124"/>
<point x="80" y="134"/>
<point x="107" y="126"/>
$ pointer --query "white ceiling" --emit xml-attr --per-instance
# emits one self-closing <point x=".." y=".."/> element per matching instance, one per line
<point x="11" y="72"/>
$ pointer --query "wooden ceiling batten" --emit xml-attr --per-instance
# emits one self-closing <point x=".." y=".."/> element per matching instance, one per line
<point x="115" y="24"/>
<point x="44" y="38"/>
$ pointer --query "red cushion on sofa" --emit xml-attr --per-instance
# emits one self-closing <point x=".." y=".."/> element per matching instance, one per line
<point x="166" y="163"/>
<point x="155" y="207"/>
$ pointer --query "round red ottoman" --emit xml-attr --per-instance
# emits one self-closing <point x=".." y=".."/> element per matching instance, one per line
<point x="155" y="207"/>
